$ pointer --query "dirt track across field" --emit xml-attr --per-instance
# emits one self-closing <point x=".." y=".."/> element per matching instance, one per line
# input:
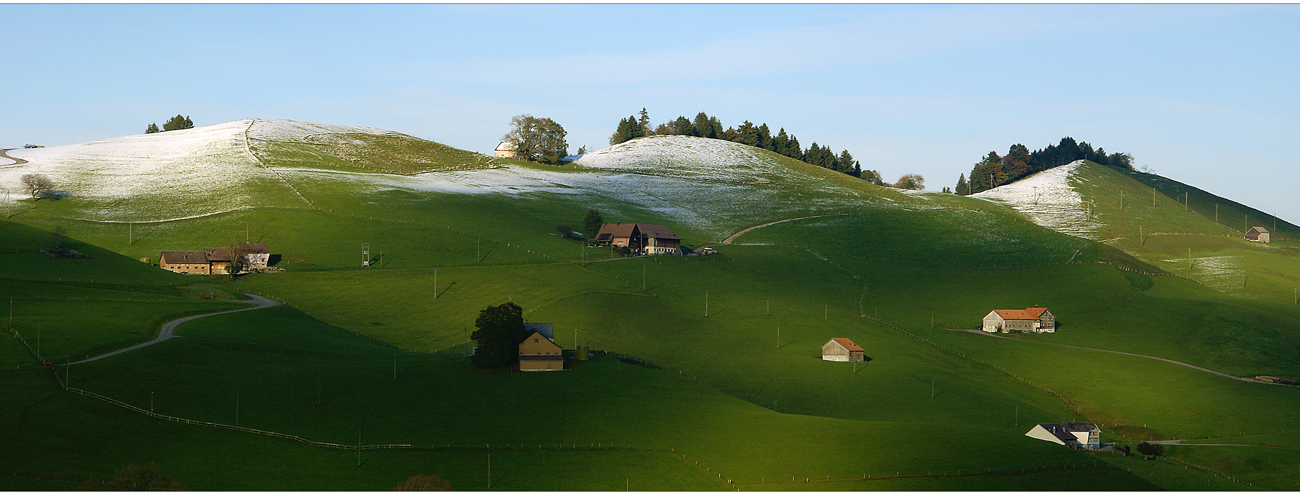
<point x="732" y="237"/>
<point x="1198" y="368"/>
<point x="169" y="329"/>
<point x="17" y="161"/>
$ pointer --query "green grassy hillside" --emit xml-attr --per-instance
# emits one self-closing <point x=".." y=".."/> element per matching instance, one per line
<point x="736" y="395"/>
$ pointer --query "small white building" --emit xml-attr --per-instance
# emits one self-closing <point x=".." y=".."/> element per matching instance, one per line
<point x="506" y="149"/>
<point x="1070" y="434"/>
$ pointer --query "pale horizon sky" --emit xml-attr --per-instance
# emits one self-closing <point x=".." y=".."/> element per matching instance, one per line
<point x="1203" y="94"/>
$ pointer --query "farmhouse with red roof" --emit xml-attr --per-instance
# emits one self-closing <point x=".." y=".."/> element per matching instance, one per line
<point x="842" y="350"/>
<point x="1036" y="320"/>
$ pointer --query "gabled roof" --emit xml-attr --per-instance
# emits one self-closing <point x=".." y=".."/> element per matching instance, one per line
<point x="1261" y="230"/>
<point x="657" y="231"/>
<point x="1021" y="314"/>
<point x="543" y="328"/>
<point x="1064" y="432"/>
<point x="223" y="254"/>
<point x="189" y="257"/>
<point x="847" y="344"/>
<point x="532" y="335"/>
<point x="616" y="230"/>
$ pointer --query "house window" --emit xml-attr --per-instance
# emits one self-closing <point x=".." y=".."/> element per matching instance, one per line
<point x="535" y="340"/>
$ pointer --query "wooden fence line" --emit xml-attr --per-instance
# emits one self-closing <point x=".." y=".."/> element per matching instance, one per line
<point x="244" y="429"/>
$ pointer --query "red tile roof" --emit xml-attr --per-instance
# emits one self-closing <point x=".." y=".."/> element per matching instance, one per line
<point x="848" y="344"/>
<point x="1020" y="314"/>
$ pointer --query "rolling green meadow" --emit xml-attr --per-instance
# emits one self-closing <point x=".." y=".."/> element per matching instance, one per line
<point x="712" y="378"/>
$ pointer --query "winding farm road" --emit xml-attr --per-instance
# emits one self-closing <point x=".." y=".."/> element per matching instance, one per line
<point x="169" y="329"/>
<point x="1198" y="368"/>
<point x="732" y="237"/>
<point x="5" y="154"/>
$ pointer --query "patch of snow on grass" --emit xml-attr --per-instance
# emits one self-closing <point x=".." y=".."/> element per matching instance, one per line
<point x="1048" y="199"/>
<point x="294" y="131"/>
<point x="190" y="171"/>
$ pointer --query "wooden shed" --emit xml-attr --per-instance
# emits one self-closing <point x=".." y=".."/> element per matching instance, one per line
<point x="540" y="353"/>
<point x="1257" y="234"/>
<point x="842" y="350"/>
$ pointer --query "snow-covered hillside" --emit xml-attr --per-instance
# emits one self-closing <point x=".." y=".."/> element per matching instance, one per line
<point x="1048" y="199"/>
<point x="170" y="175"/>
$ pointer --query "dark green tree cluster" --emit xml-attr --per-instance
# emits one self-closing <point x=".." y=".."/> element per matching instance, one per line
<point x="177" y="123"/>
<point x="993" y="170"/>
<point x="498" y="332"/>
<point x="153" y="128"/>
<point x="758" y="136"/>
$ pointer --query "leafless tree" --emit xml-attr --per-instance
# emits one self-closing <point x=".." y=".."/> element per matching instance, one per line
<point x="37" y="184"/>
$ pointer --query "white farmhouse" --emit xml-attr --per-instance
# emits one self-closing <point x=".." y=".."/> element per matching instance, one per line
<point x="1036" y="320"/>
<point x="1070" y="434"/>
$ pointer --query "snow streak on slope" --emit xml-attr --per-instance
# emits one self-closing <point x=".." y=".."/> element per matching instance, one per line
<point x="705" y="159"/>
<point x="1048" y="199"/>
<point x="173" y="174"/>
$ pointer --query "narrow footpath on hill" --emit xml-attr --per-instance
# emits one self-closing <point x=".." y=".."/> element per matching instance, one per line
<point x="169" y="329"/>
<point x="5" y="154"/>
<point x="1198" y="368"/>
<point x="732" y="237"/>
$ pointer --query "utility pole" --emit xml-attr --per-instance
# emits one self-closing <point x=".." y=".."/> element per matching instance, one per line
<point x="1216" y="213"/>
<point x="1189" y="258"/>
<point x="1186" y="206"/>
<point x="706" y="304"/>
<point x="236" y="409"/>
<point x="642" y="278"/>
<point x="320" y="385"/>
<point x="1153" y="197"/>
<point x="825" y="312"/>
<point x="150" y="401"/>
<point x="130" y="233"/>
<point x="358" y="447"/>
<point x="394" y="364"/>
<point x="1140" y="243"/>
<point x="1121" y="200"/>
<point x="575" y="339"/>
<point x="489" y="471"/>
<point x="769" y="306"/>
<point x="778" y="335"/>
<point x="478" y="257"/>
<point x="931" y="388"/>
<point x="38" y="340"/>
<point x="435" y="284"/>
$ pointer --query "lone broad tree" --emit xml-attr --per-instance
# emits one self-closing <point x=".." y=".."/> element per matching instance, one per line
<point x="537" y="139"/>
<point x="500" y="329"/>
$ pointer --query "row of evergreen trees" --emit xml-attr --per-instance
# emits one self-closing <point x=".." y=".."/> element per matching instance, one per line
<point x="759" y="136"/>
<point x="173" y="124"/>
<point x="1019" y="162"/>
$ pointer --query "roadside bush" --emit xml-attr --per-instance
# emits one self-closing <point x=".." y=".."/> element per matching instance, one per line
<point x="1151" y="449"/>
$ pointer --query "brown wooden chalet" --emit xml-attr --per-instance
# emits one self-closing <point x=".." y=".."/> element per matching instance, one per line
<point x="644" y="238"/>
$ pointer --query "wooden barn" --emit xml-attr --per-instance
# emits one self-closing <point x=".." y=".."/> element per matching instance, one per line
<point x="1035" y="320"/>
<point x="211" y="261"/>
<point x="191" y="262"/>
<point x="1070" y="434"/>
<point x="539" y="353"/>
<point x="842" y="350"/>
<point x="1257" y="234"/>
<point x="644" y="238"/>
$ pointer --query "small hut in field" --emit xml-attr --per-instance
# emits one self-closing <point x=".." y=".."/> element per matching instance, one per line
<point x="842" y="350"/>
<point x="1257" y="234"/>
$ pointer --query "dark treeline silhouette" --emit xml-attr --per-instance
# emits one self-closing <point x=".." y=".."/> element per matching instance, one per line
<point x="994" y="170"/>
<point x="759" y="136"/>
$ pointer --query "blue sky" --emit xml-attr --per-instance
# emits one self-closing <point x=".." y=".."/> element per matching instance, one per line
<point x="1205" y="94"/>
